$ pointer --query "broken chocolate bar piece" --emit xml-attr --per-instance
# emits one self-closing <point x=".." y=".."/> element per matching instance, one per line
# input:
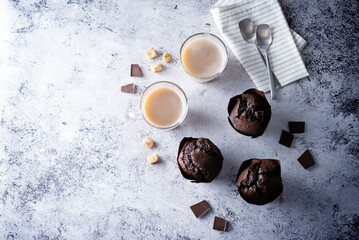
<point x="296" y="127"/>
<point x="200" y="208"/>
<point x="286" y="138"/>
<point x="129" y="88"/>
<point x="219" y="224"/>
<point x="136" y="71"/>
<point x="306" y="159"/>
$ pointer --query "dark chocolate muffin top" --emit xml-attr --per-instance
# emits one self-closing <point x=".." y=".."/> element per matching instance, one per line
<point x="199" y="159"/>
<point x="249" y="113"/>
<point x="259" y="181"/>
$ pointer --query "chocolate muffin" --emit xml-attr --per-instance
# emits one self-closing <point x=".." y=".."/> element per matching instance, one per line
<point x="249" y="113"/>
<point x="199" y="159"/>
<point x="259" y="181"/>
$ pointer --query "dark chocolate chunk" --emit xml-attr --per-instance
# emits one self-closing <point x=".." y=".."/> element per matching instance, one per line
<point x="136" y="71"/>
<point x="219" y="224"/>
<point x="306" y="159"/>
<point x="200" y="208"/>
<point x="286" y="138"/>
<point x="296" y="127"/>
<point x="129" y="88"/>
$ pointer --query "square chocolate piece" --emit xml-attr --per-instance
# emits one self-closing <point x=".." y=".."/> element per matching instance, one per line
<point x="136" y="71"/>
<point x="306" y="159"/>
<point x="129" y="88"/>
<point x="296" y="127"/>
<point x="286" y="138"/>
<point x="200" y="208"/>
<point x="219" y="224"/>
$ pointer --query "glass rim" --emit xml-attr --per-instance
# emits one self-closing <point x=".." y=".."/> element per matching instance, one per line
<point x="184" y="112"/>
<point x="210" y="77"/>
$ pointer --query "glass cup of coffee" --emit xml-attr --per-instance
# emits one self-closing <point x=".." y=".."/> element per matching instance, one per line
<point x="203" y="56"/>
<point x="164" y="105"/>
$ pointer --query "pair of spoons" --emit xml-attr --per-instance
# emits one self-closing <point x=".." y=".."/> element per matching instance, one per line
<point x="261" y="38"/>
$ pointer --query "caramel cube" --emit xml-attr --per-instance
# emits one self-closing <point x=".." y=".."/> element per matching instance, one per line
<point x="156" y="67"/>
<point x="151" y="53"/>
<point x="153" y="158"/>
<point x="167" y="57"/>
<point x="148" y="142"/>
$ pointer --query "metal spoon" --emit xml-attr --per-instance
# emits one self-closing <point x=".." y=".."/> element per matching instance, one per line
<point x="264" y="40"/>
<point x="248" y="31"/>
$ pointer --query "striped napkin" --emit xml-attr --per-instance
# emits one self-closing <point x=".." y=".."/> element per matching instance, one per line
<point x="287" y="64"/>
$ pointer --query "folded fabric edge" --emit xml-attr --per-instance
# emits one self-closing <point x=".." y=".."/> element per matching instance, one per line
<point x="300" y="42"/>
<point x="266" y="89"/>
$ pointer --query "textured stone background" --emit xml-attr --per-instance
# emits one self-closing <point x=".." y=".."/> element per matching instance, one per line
<point x="73" y="167"/>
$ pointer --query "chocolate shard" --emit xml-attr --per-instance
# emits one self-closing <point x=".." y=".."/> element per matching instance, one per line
<point x="286" y="138"/>
<point x="200" y="208"/>
<point x="136" y="71"/>
<point x="129" y="88"/>
<point x="306" y="159"/>
<point x="296" y="127"/>
<point x="219" y="224"/>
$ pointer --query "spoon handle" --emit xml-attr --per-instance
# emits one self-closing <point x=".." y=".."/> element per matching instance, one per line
<point x="270" y="75"/>
<point x="276" y="82"/>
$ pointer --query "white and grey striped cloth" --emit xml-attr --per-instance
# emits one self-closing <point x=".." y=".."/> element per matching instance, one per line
<point x="287" y="64"/>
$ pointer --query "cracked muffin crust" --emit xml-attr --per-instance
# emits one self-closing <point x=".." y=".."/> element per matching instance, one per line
<point x="249" y="113"/>
<point x="199" y="159"/>
<point x="259" y="181"/>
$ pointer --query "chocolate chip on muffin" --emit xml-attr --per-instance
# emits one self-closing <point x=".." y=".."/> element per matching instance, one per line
<point x="259" y="181"/>
<point x="199" y="159"/>
<point x="249" y="113"/>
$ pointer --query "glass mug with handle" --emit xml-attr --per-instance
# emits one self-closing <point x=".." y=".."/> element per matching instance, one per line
<point x="163" y="105"/>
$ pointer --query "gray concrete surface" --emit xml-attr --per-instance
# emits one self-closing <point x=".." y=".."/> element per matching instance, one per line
<point x="73" y="167"/>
